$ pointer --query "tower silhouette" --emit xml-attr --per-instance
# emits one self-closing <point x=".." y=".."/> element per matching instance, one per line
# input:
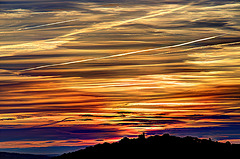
<point x="142" y="136"/>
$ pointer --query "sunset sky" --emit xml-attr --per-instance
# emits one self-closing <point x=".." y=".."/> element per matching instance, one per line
<point x="81" y="72"/>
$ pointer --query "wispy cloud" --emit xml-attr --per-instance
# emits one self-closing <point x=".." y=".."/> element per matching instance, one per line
<point x="49" y="24"/>
<point x="108" y="84"/>
<point x="119" y="55"/>
<point x="9" y="50"/>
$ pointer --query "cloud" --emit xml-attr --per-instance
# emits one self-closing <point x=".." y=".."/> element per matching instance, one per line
<point x="216" y="133"/>
<point x="200" y="117"/>
<point x="53" y="43"/>
<point x="146" y="121"/>
<point x="56" y="133"/>
<point x="51" y="150"/>
<point x="15" y="13"/>
<point x="92" y="101"/>
<point x="36" y="5"/>
<point x="6" y="119"/>
<point x="122" y="54"/>
<point x="112" y="46"/>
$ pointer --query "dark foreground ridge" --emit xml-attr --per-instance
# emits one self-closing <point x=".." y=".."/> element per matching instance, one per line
<point x="157" y="147"/>
<point x="7" y="155"/>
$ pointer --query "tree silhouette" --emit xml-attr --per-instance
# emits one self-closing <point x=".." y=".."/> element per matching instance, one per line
<point x="153" y="146"/>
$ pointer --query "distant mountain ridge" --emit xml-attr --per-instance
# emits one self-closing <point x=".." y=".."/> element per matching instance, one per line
<point x="155" y="146"/>
<point x="7" y="155"/>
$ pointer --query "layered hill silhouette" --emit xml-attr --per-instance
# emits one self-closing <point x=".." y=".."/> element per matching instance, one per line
<point x="157" y="147"/>
<point x="7" y="155"/>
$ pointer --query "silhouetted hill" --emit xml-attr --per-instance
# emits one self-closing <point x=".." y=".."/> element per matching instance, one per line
<point x="157" y="147"/>
<point x="6" y="155"/>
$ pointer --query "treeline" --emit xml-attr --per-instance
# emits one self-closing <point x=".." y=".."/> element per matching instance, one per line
<point x="157" y="147"/>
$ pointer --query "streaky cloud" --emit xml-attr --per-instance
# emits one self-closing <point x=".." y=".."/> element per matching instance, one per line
<point x="49" y="24"/>
<point x="9" y="50"/>
<point x="199" y="47"/>
<point x="118" y="55"/>
<point x="108" y="25"/>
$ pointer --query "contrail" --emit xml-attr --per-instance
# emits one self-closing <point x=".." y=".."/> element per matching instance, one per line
<point x="43" y="25"/>
<point x="108" y="25"/>
<point x="118" y="55"/>
<point x="8" y="50"/>
<point x="197" y="48"/>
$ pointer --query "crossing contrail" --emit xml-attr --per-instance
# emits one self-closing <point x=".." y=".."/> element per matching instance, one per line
<point x="8" y="50"/>
<point x="108" y="25"/>
<point x="49" y="24"/>
<point x="118" y="55"/>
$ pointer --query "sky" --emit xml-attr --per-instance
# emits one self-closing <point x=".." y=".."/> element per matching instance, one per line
<point x="80" y="72"/>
